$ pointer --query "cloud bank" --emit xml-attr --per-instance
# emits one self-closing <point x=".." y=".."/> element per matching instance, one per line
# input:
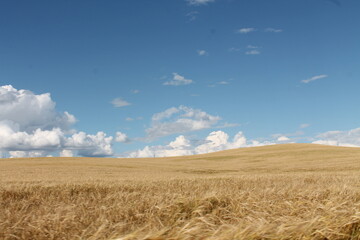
<point x="30" y="126"/>
<point x="181" y="146"/>
<point x="349" y="138"/>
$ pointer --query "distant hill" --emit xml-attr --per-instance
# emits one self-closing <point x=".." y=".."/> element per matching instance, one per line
<point x="266" y="159"/>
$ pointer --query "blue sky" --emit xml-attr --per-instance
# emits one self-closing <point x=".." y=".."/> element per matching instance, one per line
<point x="265" y="68"/>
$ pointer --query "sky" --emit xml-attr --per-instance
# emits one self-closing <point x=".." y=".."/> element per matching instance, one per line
<point x="138" y="78"/>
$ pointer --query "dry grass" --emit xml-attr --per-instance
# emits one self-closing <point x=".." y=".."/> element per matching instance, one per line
<point x="297" y="191"/>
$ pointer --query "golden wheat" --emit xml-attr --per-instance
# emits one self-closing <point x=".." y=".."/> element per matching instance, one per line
<point x="297" y="191"/>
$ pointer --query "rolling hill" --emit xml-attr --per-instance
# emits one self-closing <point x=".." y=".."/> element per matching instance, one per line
<point x="266" y="159"/>
<point x="289" y="191"/>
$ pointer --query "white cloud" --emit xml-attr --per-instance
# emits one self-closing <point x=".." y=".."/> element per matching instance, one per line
<point x="26" y="154"/>
<point x="165" y="114"/>
<point x="287" y="137"/>
<point x="180" y="143"/>
<point x="119" y="102"/>
<point x="12" y="139"/>
<point x="122" y="137"/>
<point x="87" y="145"/>
<point x="202" y="53"/>
<point x="252" y="47"/>
<point x="245" y="30"/>
<point x="199" y="2"/>
<point x="180" y="119"/>
<point x="314" y="78"/>
<point x="30" y="126"/>
<point x="274" y="30"/>
<point x="135" y="91"/>
<point x="178" y="80"/>
<point x="66" y="153"/>
<point x="252" y="52"/>
<point x="46" y="141"/>
<point x="283" y="139"/>
<point x="181" y="146"/>
<point x="349" y="138"/>
<point x="215" y="141"/>
<point x="29" y="111"/>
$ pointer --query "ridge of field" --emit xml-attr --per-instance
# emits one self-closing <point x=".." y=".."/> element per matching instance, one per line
<point x="278" y="192"/>
<point x="280" y="158"/>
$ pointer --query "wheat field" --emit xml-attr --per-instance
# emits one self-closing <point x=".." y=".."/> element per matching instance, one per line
<point x="288" y="191"/>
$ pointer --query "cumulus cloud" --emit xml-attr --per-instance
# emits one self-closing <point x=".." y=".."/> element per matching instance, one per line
<point x="30" y="126"/>
<point x="181" y="146"/>
<point x="119" y="102"/>
<point x="27" y="154"/>
<point x="283" y="139"/>
<point x="178" y="80"/>
<point x="87" y="145"/>
<point x="42" y="142"/>
<point x="245" y="30"/>
<point x="180" y="143"/>
<point x="287" y="137"/>
<point x="199" y="2"/>
<point x="66" y="153"/>
<point x="13" y="139"/>
<point x="180" y="119"/>
<point x="29" y="111"/>
<point x="122" y="137"/>
<point x="349" y="138"/>
<point x="314" y="78"/>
